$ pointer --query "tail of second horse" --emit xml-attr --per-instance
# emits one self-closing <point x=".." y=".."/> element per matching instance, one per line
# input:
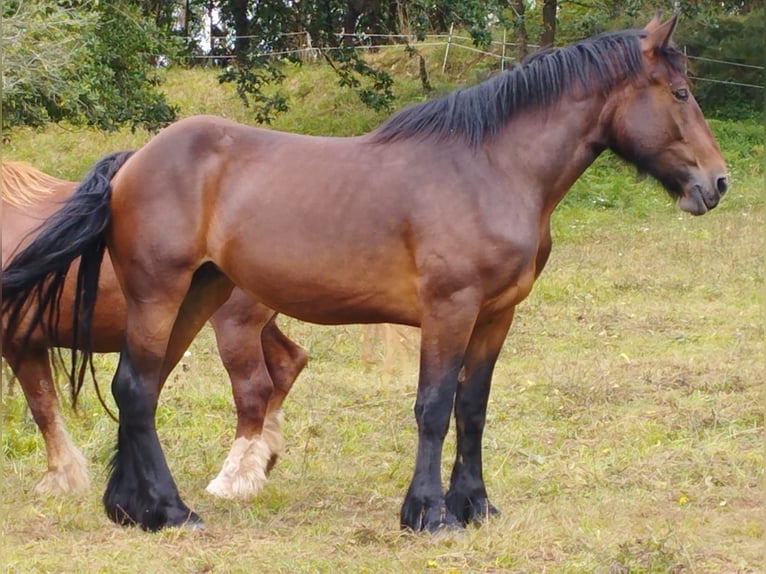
<point x="33" y="280"/>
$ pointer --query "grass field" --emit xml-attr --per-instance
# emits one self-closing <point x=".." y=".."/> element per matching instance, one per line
<point x="625" y="426"/>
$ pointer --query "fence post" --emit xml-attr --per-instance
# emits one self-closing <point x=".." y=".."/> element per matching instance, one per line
<point x="502" y="52"/>
<point x="446" y="49"/>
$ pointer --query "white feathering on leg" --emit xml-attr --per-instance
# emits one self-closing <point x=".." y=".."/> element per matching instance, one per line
<point x="244" y="471"/>
<point x="243" y="474"/>
<point x="272" y="431"/>
<point x="67" y="469"/>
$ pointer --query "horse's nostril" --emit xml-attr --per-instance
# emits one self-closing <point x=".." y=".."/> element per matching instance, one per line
<point x="721" y="185"/>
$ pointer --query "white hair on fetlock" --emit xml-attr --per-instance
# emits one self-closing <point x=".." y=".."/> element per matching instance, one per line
<point x="272" y="431"/>
<point x="67" y="468"/>
<point x="244" y="471"/>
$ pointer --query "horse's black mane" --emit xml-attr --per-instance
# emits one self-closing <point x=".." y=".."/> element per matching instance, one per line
<point x="540" y="79"/>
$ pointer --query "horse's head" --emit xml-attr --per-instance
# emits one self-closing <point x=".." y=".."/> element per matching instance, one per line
<point x="657" y="125"/>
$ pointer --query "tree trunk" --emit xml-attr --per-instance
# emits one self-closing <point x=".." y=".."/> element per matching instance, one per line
<point x="349" y="22"/>
<point x="520" y="29"/>
<point x="238" y="10"/>
<point x="356" y="10"/>
<point x="549" y="23"/>
<point x="186" y="22"/>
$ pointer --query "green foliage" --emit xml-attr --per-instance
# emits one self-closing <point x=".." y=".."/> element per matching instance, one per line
<point x="94" y="62"/>
<point x="252" y="76"/>
<point x="373" y="87"/>
<point x="91" y="63"/>
<point x="733" y="38"/>
<point x="712" y="33"/>
<point x="475" y="16"/>
<point x="255" y="72"/>
<point x="120" y="76"/>
<point x="41" y="54"/>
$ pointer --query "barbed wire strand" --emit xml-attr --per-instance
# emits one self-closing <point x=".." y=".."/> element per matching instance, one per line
<point x="727" y="82"/>
<point x="725" y="62"/>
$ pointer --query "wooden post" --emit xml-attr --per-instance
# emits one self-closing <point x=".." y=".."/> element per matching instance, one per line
<point x="502" y="52"/>
<point x="446" y="49"/>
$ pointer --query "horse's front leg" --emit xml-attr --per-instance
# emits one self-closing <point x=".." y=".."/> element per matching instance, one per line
<point x="140" y="489"/>
<point x="467" y="494"/>
<point x="444" y="338"/>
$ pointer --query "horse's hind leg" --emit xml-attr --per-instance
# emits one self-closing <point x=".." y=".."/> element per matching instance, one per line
<point x="284" y="360"/>
<point x="141" y="489"/>
<point x="467" y="495"/>
<point x="66" y="465"/>
<point x="262" y="365"/>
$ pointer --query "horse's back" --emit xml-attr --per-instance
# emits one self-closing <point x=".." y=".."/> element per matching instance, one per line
<point x="29" y="197"/>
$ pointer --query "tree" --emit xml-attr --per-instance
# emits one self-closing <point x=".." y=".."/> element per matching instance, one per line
<point x="548" y="35"/>
<point x="40" y="55"/>
<point x="717" y="42"/>
<point x="710" y="32"/>
<point x="83" y="63"/>
<point x="272" y="26"/>
<point x="519" y="8"/>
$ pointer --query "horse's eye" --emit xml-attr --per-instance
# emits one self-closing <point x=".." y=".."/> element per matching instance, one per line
<point x="681" y="94"/>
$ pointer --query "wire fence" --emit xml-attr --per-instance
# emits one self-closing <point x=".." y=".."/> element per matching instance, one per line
<point x="306" y="50"/>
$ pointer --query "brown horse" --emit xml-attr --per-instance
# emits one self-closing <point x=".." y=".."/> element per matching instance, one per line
<point x="245" y="331"/>
<point x="439" y="218"/>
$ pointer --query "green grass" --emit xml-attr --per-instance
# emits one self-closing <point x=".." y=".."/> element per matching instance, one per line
<point x="625" y="426"/>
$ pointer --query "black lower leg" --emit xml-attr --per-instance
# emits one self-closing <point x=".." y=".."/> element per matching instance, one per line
<point x="467" y="494"/>
<point x="140" y="490"/>
<point x="424" y="507"/>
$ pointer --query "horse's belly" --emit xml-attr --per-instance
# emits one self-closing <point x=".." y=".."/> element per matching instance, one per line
<point x="344" y="295"/>
<point x="338" y="311"/>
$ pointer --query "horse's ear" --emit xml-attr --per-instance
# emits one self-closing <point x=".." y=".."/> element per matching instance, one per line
<point x="654" y="22"/>
<point x="671" y="26"/>
<point x="658" y="35"/>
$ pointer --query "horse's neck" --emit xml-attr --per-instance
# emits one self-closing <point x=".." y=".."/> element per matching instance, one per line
<point x="551" y="148"/>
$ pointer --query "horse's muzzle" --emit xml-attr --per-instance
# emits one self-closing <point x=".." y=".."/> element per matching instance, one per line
<point x="701" y="196"/>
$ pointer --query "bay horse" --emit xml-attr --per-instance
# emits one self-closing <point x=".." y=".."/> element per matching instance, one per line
<point x="247" y="336"/>
<point x="438" y="218"/>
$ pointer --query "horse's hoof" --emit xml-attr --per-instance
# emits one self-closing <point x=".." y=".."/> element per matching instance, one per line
<point x="470" y="510"/>
<point x="190" y="521"/>
<point x="194" y="522"/>
<point x="446" y="525"/>
<point x="421" y="517"/>
<point x="443" y="525"/>
<point x="69" y="481"/>
<point x="483" y="514"/>
<point x="243" y="474"/>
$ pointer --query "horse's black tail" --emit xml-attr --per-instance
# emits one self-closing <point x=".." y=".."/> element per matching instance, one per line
<point x="33" y="281"/>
